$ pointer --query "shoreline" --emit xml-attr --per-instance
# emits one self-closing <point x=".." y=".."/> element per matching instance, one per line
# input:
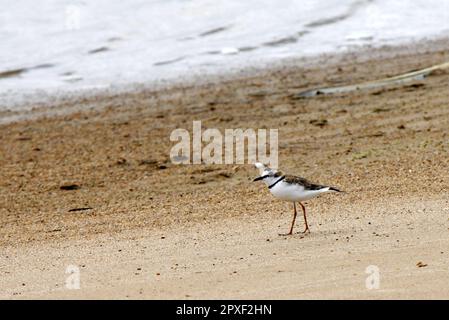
<point x="54" y="102"/>
<point x="152" y="229"/>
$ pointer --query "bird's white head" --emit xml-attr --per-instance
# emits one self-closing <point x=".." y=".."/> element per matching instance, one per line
<point x="261" y="167"/>
<point x="267" y="174"/>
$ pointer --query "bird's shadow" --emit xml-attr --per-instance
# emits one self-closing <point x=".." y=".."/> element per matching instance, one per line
<point x="315" y="235"/>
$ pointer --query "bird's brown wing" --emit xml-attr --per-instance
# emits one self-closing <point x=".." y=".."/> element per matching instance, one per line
<point x="303" y="182"/>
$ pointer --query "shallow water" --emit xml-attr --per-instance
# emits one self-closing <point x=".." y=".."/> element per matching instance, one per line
<point x="62" y="45"/>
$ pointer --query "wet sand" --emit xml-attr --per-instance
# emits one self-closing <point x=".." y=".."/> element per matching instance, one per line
<point x="94" y="187"/>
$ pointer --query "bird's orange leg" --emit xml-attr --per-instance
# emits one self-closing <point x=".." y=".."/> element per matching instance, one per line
<point x="293" y="222"/>
<point x="305" y="218"/>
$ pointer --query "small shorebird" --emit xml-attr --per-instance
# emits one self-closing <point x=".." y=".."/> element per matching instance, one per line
<point x="291" y="188"/>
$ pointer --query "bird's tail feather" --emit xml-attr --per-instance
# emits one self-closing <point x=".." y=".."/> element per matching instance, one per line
<point x="335" y="189"/>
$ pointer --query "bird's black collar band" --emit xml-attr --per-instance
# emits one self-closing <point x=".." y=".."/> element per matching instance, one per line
<point x="272" y="185"/>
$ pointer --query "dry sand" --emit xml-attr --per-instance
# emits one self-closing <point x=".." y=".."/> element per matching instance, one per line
<point x="158" y="230"/>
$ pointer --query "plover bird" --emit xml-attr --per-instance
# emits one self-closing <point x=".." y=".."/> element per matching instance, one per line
<point x="291" y="188"/>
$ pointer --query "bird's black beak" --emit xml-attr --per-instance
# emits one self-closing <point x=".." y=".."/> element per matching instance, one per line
<point x="260" y="178"/>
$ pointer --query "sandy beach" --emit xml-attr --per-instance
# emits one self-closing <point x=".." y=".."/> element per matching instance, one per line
<point x="89" y="183"/>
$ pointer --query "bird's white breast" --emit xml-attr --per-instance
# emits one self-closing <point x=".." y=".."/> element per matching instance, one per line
<point x="294" y="192"/>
